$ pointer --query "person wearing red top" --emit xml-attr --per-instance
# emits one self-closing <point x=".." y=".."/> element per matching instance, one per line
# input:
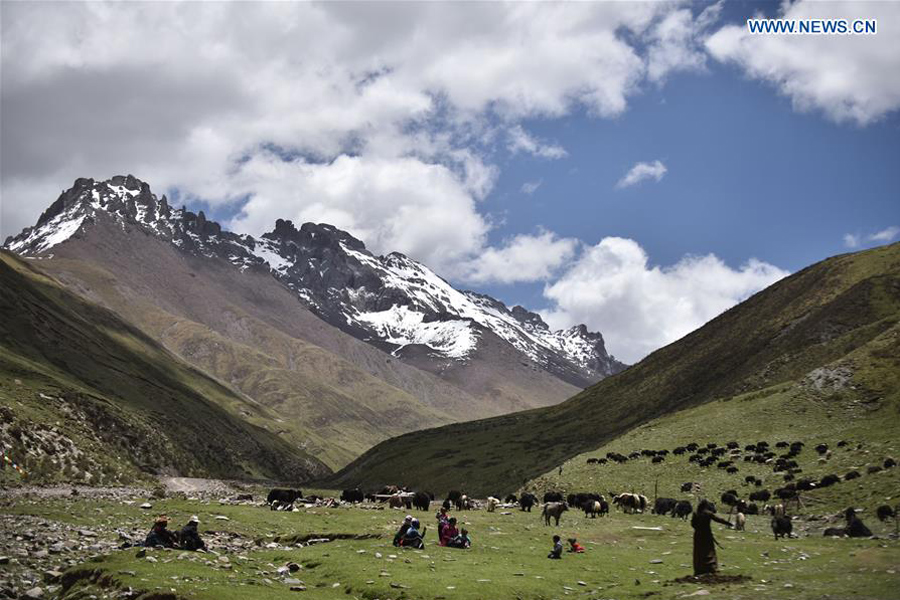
<point x="449" y="531"/>
<point x="574" y="546"/>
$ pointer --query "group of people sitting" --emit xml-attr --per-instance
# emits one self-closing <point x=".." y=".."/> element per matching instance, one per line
<point x="448" y="534"/>
<point x="412" y="535"/>
<point x="557" y="550"/>
<point x="186" y="539"/>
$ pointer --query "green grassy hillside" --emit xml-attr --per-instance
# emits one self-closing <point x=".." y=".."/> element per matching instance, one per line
<point x="88" y="397"/>
<point x="841" y="311"/>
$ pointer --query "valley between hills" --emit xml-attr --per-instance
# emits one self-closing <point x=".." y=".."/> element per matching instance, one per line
<point x="149" y="349"/>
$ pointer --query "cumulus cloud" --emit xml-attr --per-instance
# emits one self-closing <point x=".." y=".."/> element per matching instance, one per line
<point x="676" y="42"/>
<point x="847" y="77"/>
<point x="642" y="171"/>
<point x="196" y="96"/>
<point x="521" y="258"/>
<point x="885" y="236"/>
<point x="522" y="141"/>
<point x="530" y="187"/>
<point x="399" y="205"/>
<point x="612" y="288"/>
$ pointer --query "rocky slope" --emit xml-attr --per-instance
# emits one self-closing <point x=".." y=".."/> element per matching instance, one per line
<point x="88" y="397"/>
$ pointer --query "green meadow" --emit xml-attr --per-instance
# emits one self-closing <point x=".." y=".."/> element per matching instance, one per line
<point x="628" y="556"/>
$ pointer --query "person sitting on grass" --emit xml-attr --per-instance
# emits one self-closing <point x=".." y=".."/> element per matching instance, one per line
<point x="413" y="538"/>
<point x="189" y="537"/>
<point x="557" y="548"/>
<point x="574" y="546"/>
<point x="160" y="534"/>
<point x="404" y="527"/>
<point x="449" y="532"/>
<point x="461" y="541"/>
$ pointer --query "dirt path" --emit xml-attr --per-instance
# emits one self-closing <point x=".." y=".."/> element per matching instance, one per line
<point x="196" y="485"/>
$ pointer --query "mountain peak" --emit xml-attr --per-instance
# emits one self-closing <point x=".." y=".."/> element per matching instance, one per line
<point x="313" y="235"/>
<point x="392" y="301"/>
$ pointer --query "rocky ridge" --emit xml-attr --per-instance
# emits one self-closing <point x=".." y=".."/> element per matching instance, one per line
<point x="392" y="301"/>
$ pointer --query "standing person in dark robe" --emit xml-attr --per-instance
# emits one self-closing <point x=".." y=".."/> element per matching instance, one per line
<point x="705" y="560"/>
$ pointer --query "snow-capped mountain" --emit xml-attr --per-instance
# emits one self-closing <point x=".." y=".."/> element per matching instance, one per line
<point x="391" y="301"/>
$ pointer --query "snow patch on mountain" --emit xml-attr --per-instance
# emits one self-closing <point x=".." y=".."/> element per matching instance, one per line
<point x="401" y="326"/>
<point x="51" y="233"/>
<point x="264" y="250"/>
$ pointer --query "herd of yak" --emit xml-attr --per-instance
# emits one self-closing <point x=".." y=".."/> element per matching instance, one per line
<point x="726" y="457"/>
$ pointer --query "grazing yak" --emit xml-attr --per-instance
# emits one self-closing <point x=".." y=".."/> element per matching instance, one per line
<point x="852" y="475"/>
<point x="682" y="509"/>
<point x="595" y="507"/>
<point x="835" y="532"/>
<point x="527" y="501"/>
<point x="553" y="510"/>
<point x="454" y="498"/>
<point x="687" y="486"/>
<point x="631" y="503"/>
<point x="740" y="522"/>
<point x="511" y="499"/>
<point x="782" y="526"/>
<point x="828" y="480"/>
<point x="581" y="497"/>
<point x="664" y="506"/>
<point x="730" y="498"/>
<point x="422" y="500"/>
<point x="492" y="503"/>
<point x="885" y="512"/>
<point x="283" y="497"/>
<point x="553" y="497"/>
<point x="398" y="501"/>
<point x="354" y="495"/>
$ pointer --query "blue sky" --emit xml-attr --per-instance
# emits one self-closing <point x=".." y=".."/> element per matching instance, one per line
<point x="491" y="141"/>
<point x="747" y="176"/>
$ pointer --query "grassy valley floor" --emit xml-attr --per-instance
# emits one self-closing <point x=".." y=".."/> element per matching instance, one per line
<point x="627" y="556"/>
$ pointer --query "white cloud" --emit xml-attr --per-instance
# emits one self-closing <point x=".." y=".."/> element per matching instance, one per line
<point x="194" y="96"/>
<point x="849" y="78"/>
<point x="530" y="187"/>
<point x="402" y="205"/>
<point x="521" y="258"/>
<point x="638" y="307"/>
<point x="885" y="235"/>
<point x="676" y="44"/>
<point x="522" y="141"/>
<point x="641" y="172"/>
